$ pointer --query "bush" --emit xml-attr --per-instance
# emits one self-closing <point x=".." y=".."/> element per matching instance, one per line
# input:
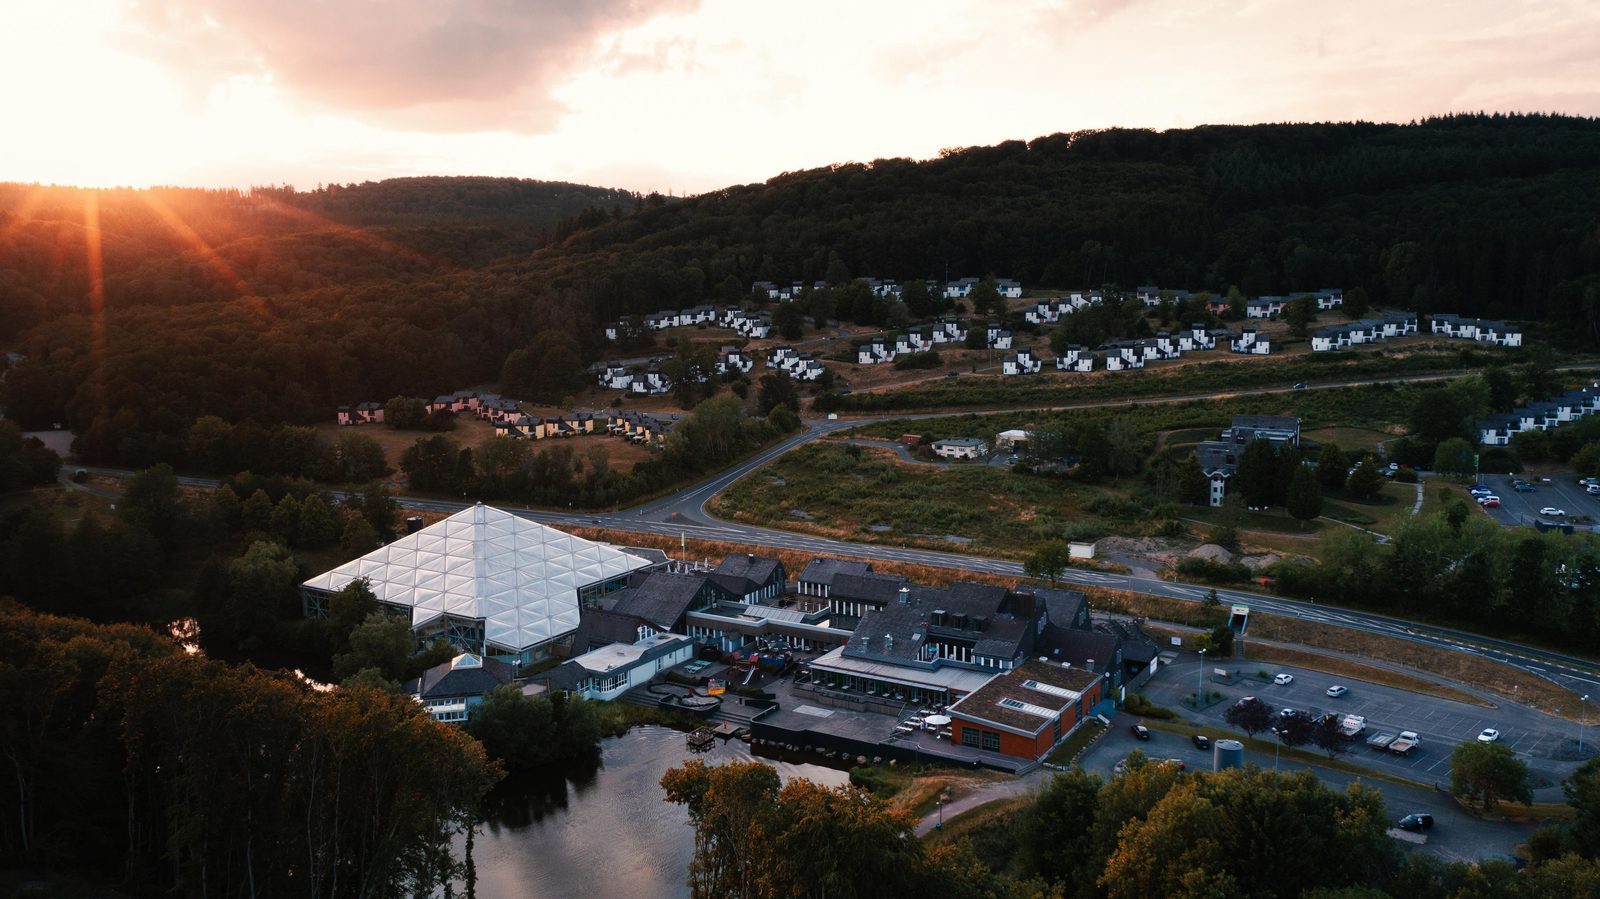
<point x="1213" y="572"/>
<point x="913" y="361"/>
<point x="1406" y="476"/>
<point x="1139" y="704"/>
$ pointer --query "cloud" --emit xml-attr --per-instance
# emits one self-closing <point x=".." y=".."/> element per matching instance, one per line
<point x="436" y="65"/>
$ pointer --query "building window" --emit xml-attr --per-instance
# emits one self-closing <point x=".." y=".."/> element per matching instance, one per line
<point x="615" y="682"/>
<point x="969" y="737"/>
<point x="991" y="741"/>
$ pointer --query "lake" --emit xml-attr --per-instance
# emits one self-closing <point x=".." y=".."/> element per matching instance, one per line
<point x="602" y="829"/>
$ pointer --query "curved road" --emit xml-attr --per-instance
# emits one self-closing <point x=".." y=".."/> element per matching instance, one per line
<point x="684" y="514"/>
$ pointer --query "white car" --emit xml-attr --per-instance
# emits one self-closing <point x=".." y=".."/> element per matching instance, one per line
<point x="1488" y="735"/>
<point x="1553" y="511"/>
<point x="1336" y="691"/>
<point x="1283" y="679"/>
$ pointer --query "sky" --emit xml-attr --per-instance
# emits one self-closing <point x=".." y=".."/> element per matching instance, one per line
<point x="685" y="96"/>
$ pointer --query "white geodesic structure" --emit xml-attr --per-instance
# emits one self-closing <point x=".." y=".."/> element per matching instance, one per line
<point x="519" y="578"/>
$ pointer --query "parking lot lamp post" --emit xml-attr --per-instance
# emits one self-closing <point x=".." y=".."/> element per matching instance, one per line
<point x="1200" y="678"/>
<point x="1583" y="721"/>
<point x="939" y="825"/>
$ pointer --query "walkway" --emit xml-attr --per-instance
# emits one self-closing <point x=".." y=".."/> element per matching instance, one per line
<point x="898" y="448"/>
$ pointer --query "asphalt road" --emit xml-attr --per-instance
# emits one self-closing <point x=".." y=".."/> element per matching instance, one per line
<point x="1455" y="835"/>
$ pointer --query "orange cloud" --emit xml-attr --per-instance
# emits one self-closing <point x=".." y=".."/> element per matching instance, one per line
<point x="433" y="65"/>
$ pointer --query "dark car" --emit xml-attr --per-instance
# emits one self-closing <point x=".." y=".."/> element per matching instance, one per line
<point x="1300" y="386"/>
<point x="952" y="374"/>
<point x="1142" y="732"/>
<point x="1415" y="821"/>
<point x="1200" y="741"/>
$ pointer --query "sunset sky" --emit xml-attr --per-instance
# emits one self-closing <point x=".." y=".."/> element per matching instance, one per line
<point x="690" y="95"/>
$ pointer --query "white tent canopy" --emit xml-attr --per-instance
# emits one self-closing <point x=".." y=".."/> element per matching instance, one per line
<point x="520" y="578"/>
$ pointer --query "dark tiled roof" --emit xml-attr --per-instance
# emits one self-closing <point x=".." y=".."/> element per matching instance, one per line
<point x="986" y="702"/>
<point x="458" y="677"/>
<point x="741" y="573"/>
<point x="879" y="588"/>
<point x="1267" y="422"/>
<point x="823" y="571"/>
<point x="1078" y="648"/>
<point x="662" y="598"/>
<point x="599" y="628"/>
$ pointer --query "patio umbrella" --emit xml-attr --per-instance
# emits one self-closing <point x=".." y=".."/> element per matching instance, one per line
<point x="936" y="720"/>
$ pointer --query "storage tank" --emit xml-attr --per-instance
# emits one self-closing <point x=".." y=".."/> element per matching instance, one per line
<point x="413" y="524"/>
<point x="1227" y="754"/>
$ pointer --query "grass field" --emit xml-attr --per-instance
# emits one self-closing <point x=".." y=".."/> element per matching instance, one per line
<point x="869" y="496"/>
<point x="472" y="432"/>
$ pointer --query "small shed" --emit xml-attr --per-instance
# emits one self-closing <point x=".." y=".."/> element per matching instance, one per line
<point x="1010" y="439"/>
<point x="1078" y="550"/>
<point x="911" y="439"/>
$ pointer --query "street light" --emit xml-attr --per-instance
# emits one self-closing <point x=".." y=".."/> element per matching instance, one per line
<point x="1583" y="721"/>
<point x="940" y="802"/>
<point x="1200" y="678"/>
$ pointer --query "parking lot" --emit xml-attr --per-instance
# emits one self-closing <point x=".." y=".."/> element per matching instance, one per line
<point x="1523" y="508"/>
<point x="1441" y="723"/>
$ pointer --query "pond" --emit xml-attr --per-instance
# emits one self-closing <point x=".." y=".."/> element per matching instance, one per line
<point x="603" y="829"/>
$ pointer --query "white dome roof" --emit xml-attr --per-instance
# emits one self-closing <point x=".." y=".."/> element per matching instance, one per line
<point x="519" y="577"/>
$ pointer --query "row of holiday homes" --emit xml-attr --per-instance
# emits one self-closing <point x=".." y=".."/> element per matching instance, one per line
<point x="1327" y="298"/>
<point x="1117" y="356"/>
<point x="954" y="290"/>
<point x="490" y="406"/>
<point x="1498" y="430"/>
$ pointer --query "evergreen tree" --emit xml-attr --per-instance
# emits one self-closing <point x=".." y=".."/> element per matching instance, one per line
<point x="1194" y="488"/>
<point x="285" y="520"/>
<point x="317" y="527"/>
<point x="358" y="537"/>
<point x="1331" y="467"/>
<point x="255" y="516"/>
<point x="1305" y="497"/>
<point x="1257" y="476"/>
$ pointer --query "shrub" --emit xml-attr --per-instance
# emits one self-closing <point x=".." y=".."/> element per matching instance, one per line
<point x="929" y="359"/>
<point x="1213" y="572"/>
<point x="1406" y="476"/>
<point x="1139" y="704"/>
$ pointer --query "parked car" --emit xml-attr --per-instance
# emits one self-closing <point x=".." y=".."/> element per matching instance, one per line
<point x="1283" y="679"/>
<point x="1200" y="741"/>
<point x="1490" y="502"/>
<point x="1488" y="735"/>
<point x="1479" y="491"/>
<point x="1338" y="690"/>
<point x="1593" y="490"/>
<point x="1178" y="762"/>
<point x="1289" y="713"/>
<point x="1141" y="732"/>
<point x="1415" y="821"/>
<point x="1300" y="386"/>
<point x="1553" y="512"/>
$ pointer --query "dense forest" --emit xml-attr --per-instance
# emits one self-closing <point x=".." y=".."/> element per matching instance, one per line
<point x="140" y="311"/>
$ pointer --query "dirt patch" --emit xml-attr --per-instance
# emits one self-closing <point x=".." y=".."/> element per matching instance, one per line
<point x="1211" y="552"/>
<point x="1258" y="562"/>
<point x="1163" y="551"/>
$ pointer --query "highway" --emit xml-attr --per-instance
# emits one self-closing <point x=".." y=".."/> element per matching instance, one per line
<point x="683" y="514"/>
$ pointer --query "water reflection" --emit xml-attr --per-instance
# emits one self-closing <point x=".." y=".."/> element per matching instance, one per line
<point x="601" y="828"/>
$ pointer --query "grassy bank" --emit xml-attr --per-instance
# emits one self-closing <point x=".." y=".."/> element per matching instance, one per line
<point x="617" y="718"/>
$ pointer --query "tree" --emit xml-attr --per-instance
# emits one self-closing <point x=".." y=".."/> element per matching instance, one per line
<point x="151" y="501"/>
<point x="1048" y="560"/>
<point x="285" y="520"/>
<point x="1052" y="840"/>
<point x="1305" y="498"/>
<point x="1365" y="481"/>
<point x="789" y="320"/>
<point x="1218" y="642"/>
<point x="1454" y="458"/>
<point x="255" y="516"/>
<point x="1211" y="601"/>
<point x="986" y="300"/>
<point x="1300" y="313"/>
<point x="1582" y="789"/>
<point x="777" y="389"/>
<point x="1194" y="488"/>
<point x="550" y="368"/>
<point x="431" y="462"/>
<point x="527" y="732"/>
<point x="358" y="538"/>
<point x="1326" y="736"/>
<point x="1356" y="302"/>
<point x="1331" y="465"/>
<point x="316" y="526"/>
<point x="1487" y="773"/>
<point x="210" y="444"/>
<point x="353" y="458"/>
<point x="1295" y="730"/>
<point x="405" y="413"/>
<point x="1258" y="473"/>
<point x="380" y="642"/>
<point x="1251" y="716"/>
<point x="1502" y="390"/>
<point x="1123" y="449"/>
<point x="379" y="508"/>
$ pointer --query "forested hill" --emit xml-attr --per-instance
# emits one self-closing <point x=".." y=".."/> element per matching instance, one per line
<point x="183" y="246"/>
<point x="1492" y="215"/>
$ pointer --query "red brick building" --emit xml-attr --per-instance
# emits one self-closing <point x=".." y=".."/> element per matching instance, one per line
<point x="1026" y="711"/>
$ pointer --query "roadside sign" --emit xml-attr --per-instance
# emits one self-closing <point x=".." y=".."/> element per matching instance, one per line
<point x="1177" y="641"/>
